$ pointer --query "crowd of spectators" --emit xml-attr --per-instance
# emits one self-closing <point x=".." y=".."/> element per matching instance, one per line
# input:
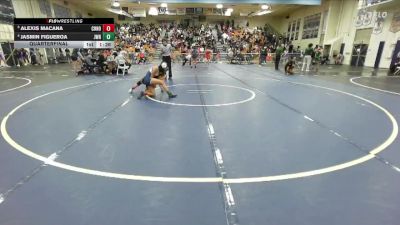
<point x="139" y="44"/>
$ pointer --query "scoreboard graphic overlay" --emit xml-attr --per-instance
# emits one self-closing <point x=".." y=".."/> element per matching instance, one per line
<point x="64" y="33"/>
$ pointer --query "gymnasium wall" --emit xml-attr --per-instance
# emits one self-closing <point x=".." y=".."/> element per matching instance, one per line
<point x="300" y="14"/>
<point x="340" y="28"/>
<point x="390" y="38"/>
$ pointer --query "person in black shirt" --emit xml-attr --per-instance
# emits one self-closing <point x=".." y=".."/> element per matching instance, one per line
<point x="278" y="53"/>
<point x="68" y="55"/>
<point x="263" y="55"/>
<point x="166" y="50"/>
<point x="101" y="62"/>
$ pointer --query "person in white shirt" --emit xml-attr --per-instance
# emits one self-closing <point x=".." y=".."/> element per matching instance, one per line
<point x="224" y="37"/>
<point x="123" y="57"/>
<point x="2" y="59"/>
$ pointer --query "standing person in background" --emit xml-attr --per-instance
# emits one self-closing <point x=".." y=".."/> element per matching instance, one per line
<point x="278" y="54"/>
<point x="32" y="54"/>
<point x="20" y="57"/>
<point x="195" y="55"/>
<point x="307" y="57"/>
<point x="2" y="59"/>
<point x="317" y="58"/>
<point x="25" y="56"/>
<point x="185" y="54"/>
<point x="208" y="54"/>
<point x="298" y="50"/>
<point x="39" y="57"/>
<point x="263" y="55"/>
<point x="166" y="50"/>
<point x="291" y="49"/>
<point x="68" y="55"/>
<point x="76" y="62"/>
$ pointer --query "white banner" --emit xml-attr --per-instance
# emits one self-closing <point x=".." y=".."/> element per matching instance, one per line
<point x="370" y="19"/>
<point x="395" y="25"/>
<point x="181" y="11"/>
<point x="138" y="12"/>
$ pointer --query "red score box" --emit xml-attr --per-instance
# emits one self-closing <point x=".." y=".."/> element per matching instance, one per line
<point x="108" y="27"/>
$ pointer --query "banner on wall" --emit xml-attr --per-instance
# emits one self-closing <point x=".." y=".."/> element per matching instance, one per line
<point x="371" y="19"/>
<point x="171" y="12"/>
<point x="208" y="11"/>
<point x="138" y="12"/>
<point x="7" y="13"/>
<point x="395" y="25"/>
<point x="296" y="2"/>
<point x="162" y="10"/>
<point x="181" y="11"/>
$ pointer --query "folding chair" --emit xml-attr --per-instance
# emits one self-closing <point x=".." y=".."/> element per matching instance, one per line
<point x="122" y="66"/>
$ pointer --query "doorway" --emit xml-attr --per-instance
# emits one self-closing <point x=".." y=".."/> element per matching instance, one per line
<point x="359" y="54"/>
<point x="342" y="48"/>
<point x="360" y="46"/>
<point x="396" y="54"/>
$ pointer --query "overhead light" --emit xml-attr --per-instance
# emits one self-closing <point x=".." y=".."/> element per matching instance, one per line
<point x="153" y="11"/>
<point x="115" y="3"/>
<point x="219" y="6"/>
<point x="263" y="12"/>
<point x="164" y="5"/>
<point x="265" y="7"/>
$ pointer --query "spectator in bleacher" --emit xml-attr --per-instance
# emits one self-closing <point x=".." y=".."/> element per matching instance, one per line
<point x="110" y="62"/>
<point x="89" y="59"/>
<point x="102" y="60"/>
<point x="208" y="54"/>
<point x="121" y="56"/>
